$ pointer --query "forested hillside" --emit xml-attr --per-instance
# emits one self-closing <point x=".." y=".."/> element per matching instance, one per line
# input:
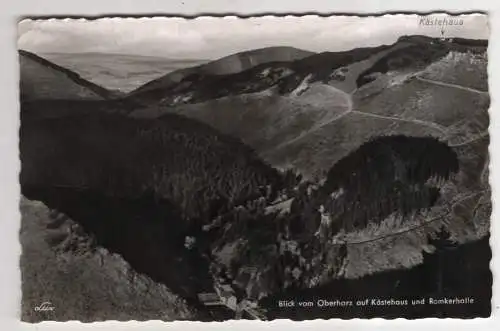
<point x="175" y="158"/>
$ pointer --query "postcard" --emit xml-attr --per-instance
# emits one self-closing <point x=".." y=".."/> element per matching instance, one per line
<point x="273" y="167"/>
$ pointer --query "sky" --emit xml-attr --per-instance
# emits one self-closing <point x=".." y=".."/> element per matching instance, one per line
<point x="213" y="37"/>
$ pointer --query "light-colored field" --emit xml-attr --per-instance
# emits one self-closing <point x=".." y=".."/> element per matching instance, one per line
<point x="117" y="71"/>
<point x="265" y="120"/>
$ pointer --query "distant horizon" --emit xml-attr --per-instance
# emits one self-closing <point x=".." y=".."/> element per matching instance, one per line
<point x="204" y="59"/>
<point x="119" y="54"/>
<point x="214" y="38"/>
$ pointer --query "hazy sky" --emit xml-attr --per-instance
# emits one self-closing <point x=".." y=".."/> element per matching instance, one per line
<point x="210" y="38"/>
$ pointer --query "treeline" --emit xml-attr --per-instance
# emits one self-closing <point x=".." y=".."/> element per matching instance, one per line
<point x="403" y="200"/>
<point x="377" y="164"/>
<point x="388" y="174"/>
<point x="175" y="158"/>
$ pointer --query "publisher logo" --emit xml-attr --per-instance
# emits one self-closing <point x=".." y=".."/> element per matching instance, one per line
<point x="44" y="306"/>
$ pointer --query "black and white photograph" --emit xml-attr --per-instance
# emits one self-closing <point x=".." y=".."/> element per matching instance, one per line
<point x="258" y="168"/>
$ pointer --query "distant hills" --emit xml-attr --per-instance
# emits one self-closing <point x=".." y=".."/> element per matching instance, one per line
<point x="228" y="65"/>
<point x="121" y="72"/>
<point x="304" y="114"/>
<point x="347" y="70"/>
<point x="285" y="102"/>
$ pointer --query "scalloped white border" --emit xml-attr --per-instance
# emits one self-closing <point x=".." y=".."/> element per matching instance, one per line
<point x="10" y="294"/>
<point x="256" y="17"/>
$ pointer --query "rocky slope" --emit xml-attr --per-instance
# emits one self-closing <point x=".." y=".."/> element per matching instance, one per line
<point x="61" y="264"/>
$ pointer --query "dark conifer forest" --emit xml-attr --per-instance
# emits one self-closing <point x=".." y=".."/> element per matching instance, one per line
<point x="175" y="159"/>
<point x="386" y="175"/>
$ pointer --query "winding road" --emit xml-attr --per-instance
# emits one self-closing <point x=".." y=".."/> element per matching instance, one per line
<point x="350" y="110"/>
<point x="435" y="82"/>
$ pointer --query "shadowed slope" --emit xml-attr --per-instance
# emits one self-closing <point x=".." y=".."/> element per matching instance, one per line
<point x="141" y="186"/>
<point x="42" y="79"/>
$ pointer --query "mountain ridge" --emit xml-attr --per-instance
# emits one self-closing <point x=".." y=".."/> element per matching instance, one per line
<point x="284" y="100"/>
<point x="322" y="65"/>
